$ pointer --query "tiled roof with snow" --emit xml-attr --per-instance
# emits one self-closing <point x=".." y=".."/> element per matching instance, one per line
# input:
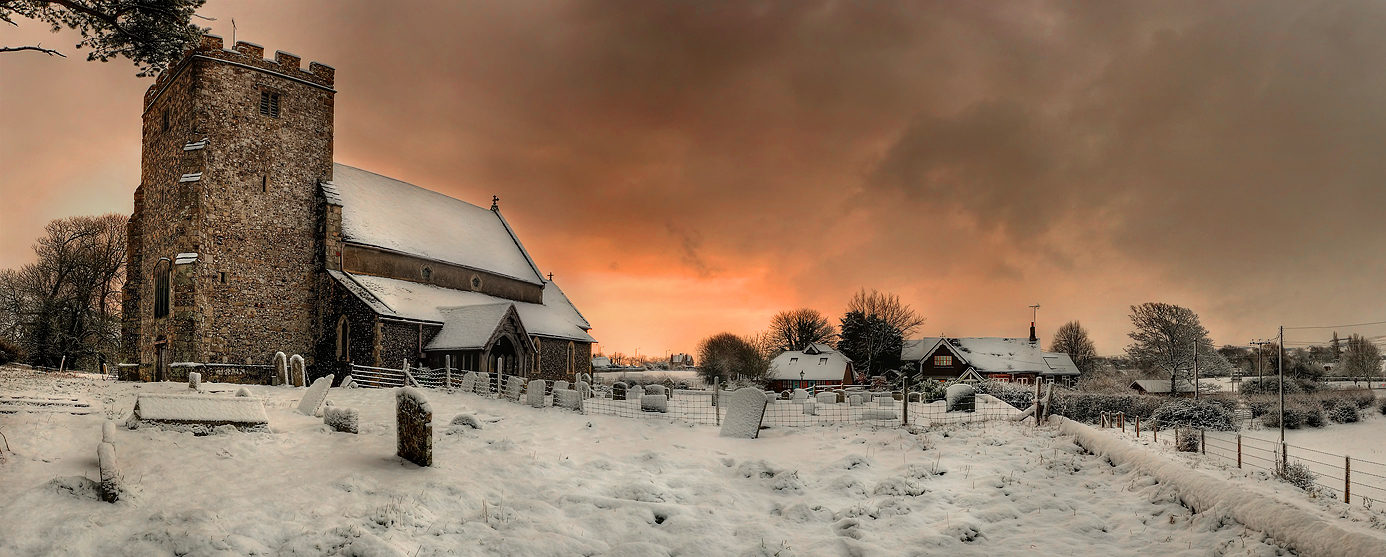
<point x="1060" y="364"/>
<point x="426" y="302"/>
<point x="985" y="354"/>
<point x="556" y="299"/>
<point x="825" y="366"/>
<point x="387" y="213"/>
<point x="468" y="328"/>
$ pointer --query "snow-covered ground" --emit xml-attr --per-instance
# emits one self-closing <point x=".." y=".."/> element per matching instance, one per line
<point x="554" y="482"/>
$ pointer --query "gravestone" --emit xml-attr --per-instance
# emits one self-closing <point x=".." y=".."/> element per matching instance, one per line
<point x="883" y="400"/>
<point x="242" y="392"/>
<point x="513" y="387"/>
<point x="560" y="385"/>
<point x="745" y="411"/>
<point x="198" y="413"/>
<point x="568" y="398"/>
<point x="635" y="392"/>
<point x="879" y="414"/>
<point x="654" y="403"/>
<point x="656" y="389"/>
<point x="466" y="420"/>
<point x="468" y="384"/>
<point x="841" y="395"/>
<point x="827" y="398"/>
<point x="534" y="394"/>
<point x="915" y="397"/>
<point x="961" y="398"/>
<point x="586" y="378"/>
<point x="296" y="370"/>
<point x="413" y="426"/>
<point x="800" y="395"/>
<point x="348" y="382"/>
<point x="108" y="431"/>
<point x="312" y="400"/>
<point x="483" y="383"/>
<point x="194" y="380"/>
<point x="856" y="399"/>
<point x="341" y="419"/>
<point x="584" y="390"/>
<point x="810" y="408"/>
<point x="281" y="369"/>
<point x="110" y="473"/>
<point x="618" y="391"/>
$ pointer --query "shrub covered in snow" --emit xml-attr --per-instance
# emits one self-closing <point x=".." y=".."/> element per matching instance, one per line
<point x="9" y="352"/>
<point x="341" y="419"/>
<point x="961" y="396"/>
<point x="1383" y="407"/>
<point x="468" y="420"/>
<point x="1299" y="475"/>
<point x="1196" y="414"/>
<point x="1343" y="411"/>
<point x="1088" y="407"/>
<point x="1271" y="386"/>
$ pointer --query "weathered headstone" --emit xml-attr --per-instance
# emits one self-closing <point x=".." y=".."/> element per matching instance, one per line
<point x="856" y="399"/>
<point x="654" y="403"/>
<point x="745" y="411"/>
<point x="513" y="387"/>
<point x="110" y="473"/>
<point x="841" y="395"/>
<point x="483" y="383"/>
<point x="281" y="369"/>
<point x="341" y="419"/>
<point x="560" y="385"/>
<point x="915" y="397"/>
<point x="568" y="398"/>
<point x="194" y="380"/>
<point x="242" y="392"/>
<point x="413" y="426"/>
<point x="468" y="420"/>
<point x="198" y="413"/>
<point x="961" y="397"/>
<point x="296" y="369"/>
<point x="827" y="398"/>
<point x="656" y="389"/>
<point x="635" y="392"/>
<point x="108" y="431"/>
<point x="810" y="407"/>
<point x="800" y="395"/>
<point x="534" y="393"/>
<point x="618" y="391"/>
<point x="348" y="382"/>
<point x="312" y="400"/>
<point x="883" y="399"/>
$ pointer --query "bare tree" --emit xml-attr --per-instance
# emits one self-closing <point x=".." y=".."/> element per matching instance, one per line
<point x="795" y="329"/>
<point x="729" y="356"/>
<point x="1361" y="358"/>
<point x="888" y="308"/>
<point x="151" y="33"/>
<point x="66" y="302"/>
<point x="1073" y="339"/>
<point x="1166" y="338"/>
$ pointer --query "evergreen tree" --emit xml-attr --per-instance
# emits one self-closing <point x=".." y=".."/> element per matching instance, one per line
<point x="1337" y="347"/>
<point x="871" y="342"/>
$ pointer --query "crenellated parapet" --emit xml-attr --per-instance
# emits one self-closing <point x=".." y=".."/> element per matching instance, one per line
<point x="249" y="55"/>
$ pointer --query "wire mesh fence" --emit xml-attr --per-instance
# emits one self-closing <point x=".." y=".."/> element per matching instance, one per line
<point x="1351" y="479"/>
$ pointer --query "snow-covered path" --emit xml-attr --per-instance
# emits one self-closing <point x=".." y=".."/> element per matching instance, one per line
<point x="553" y="482"/>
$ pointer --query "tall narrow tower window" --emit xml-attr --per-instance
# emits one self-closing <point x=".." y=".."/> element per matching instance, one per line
<point x="269" y="104"/>
<point x="165" y="116"/>
<point x="264" y="183"/>
<point x="161" y="273"/>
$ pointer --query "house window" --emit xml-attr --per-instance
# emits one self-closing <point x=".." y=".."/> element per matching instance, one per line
<point x="822" y="361"/>
<point x="161" y="276"/>
<point x="269" y="104"/>
<point x="427" y="273"/>
<point x="793" y="360"/>
<point x="343" y="339"/>
<point x="222" y="277"/>
<point x="943" y="361"/>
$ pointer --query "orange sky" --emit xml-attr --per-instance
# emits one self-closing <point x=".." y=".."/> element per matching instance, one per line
<point x="685" y="168"/>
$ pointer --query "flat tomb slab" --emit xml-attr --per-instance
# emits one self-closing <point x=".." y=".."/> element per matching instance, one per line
<point x="207" y="410"/>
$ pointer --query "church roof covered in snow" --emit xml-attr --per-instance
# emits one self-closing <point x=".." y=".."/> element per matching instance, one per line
<point x="425" y="302"/>
<point x="390" y="214"/>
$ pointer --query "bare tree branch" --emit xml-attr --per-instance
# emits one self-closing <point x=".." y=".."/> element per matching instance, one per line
<point x="38" y="48"/>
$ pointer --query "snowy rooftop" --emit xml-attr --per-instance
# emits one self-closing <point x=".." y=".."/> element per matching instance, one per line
<point x="386" y="213"/>
<point x="819" y="363"/>
<point x="993" y="354"/>
<point x="1162" y="385"/>
<point x="468" y="328"/>
<point x="426" y="302"/>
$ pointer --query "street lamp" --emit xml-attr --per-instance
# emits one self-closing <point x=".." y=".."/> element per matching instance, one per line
<point x="801" y="379"/>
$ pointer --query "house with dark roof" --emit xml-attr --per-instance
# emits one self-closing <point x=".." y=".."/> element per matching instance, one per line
<point x="996" y="358"/>
<point x="247" y="239"/>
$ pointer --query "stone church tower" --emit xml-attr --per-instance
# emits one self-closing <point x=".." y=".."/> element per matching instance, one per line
<point x="224" y="248"/>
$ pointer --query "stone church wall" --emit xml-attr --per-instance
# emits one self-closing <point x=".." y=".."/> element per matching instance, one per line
<point x="382" y="263"/>
<point x="553" y="359"/>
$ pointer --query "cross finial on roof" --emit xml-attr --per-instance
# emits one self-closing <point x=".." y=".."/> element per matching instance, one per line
<point x="550" y="277"/>
<point x="495" y="203"/>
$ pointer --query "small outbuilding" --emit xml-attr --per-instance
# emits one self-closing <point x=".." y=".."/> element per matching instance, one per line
<point x="816" y="365"/>
<point x="1161" y="387"/>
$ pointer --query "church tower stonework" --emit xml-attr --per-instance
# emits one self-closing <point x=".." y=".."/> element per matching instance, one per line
<point x="225" y="250"/>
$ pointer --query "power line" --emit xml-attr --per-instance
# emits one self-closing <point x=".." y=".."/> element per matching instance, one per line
<point x="1338" y="326"/>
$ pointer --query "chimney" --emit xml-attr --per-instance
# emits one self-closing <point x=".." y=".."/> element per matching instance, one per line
<point x="1033" y="338"/>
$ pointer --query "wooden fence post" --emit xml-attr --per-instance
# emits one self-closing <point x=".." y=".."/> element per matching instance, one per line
<point x="1347" y="479"/>
<point x="1138" y="427"/>
<point x="1203" y="441"/>
<point x="1239" y="450"/>
<point x="1284" y="457"/>
<point x="1122" y="416"/>
<point x="905" y="401"/>
<point x="1155" y="431"/>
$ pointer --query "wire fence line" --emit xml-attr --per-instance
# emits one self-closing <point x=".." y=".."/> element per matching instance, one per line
<point x="801" y="408"/>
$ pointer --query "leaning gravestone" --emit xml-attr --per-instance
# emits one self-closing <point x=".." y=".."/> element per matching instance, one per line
<point x="296" y="369"/>
<point x="567" y="398"/>
<point x="961" y="397"/>
<point x="513" y="387"/>
<point x="348" y="382"/>
<point x="110" y="473"/>
<point x="311" y="403"/>
<point x="586" y="377"/>
<point x="468" y="384"/>
<point x="413" y="426"/>
<point x="654" y="403"/>
<point x="618" y="391"/>
<point x="745" y="411"/>
<point x="194" y="380"/>
<point x="341" y="419"/>
<point x="534" y="394"/>
<point x="827" y="398"/>
<point x="281" y="369"/>
<point x="483" y="383"/>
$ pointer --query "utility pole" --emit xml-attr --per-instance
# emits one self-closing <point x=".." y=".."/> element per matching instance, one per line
<point x="1281" y="371"/>
<point x="1195" y="369"/>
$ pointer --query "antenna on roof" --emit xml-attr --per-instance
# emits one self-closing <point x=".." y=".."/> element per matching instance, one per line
<point x="495" y="201"/>
<point x="1034" y="313"/>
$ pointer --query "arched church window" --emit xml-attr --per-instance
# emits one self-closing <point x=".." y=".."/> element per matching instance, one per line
<point x="571" y="354"/>
<point x="427" y="273"/>
<point x="161" y="287"/>
<point x="343" y="339"/>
